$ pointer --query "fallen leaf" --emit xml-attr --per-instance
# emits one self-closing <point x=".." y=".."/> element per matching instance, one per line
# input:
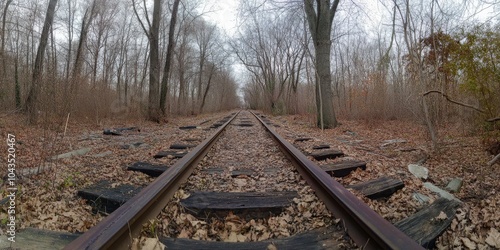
<point x="441" y="216"/>
<point x="152" y="244"/>
<point x="468" y="243"/>
<point x="271" y="247"/>
<point x="493" y="238"/>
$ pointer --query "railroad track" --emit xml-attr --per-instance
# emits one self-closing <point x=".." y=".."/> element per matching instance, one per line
<point x="195" y="174"/>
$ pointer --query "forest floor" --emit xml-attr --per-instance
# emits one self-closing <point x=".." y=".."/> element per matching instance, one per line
<point x="44" y="200"/>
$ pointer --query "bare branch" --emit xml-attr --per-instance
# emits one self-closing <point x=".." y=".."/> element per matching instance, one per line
<point x="453" y="101"/>
<point x="139" y="19"/>
<point x="495" y="159"/>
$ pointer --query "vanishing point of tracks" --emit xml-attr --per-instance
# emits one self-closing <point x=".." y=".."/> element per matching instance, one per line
<point x="225" y="180"/>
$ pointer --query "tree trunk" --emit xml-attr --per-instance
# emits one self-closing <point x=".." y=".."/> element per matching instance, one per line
<point x="154" y="64"/>
<point x="2" y="49"/>
<point x="79" y="58"/>
<point x="320" y="26"/>
<point x="212" y="70"/>
<point x="32" y="100"/>
<point x="168" y="60"/>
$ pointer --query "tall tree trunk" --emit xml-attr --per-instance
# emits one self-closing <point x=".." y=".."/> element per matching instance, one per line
<point x="168" y="60"/>
<point x="320" y="26"/>
<point x="154" y="64"/>
<point x="2" y="49"/>
<point x="32" y="100"/>
<point x="79" y="58"/>
<point x="212" y="70"/>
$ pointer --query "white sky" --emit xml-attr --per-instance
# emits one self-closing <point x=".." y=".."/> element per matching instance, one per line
<point x="223" y="13"/>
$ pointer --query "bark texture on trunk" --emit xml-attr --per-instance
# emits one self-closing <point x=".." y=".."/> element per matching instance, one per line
<point x="320" y="26"/>
<point x="33" y="95"/>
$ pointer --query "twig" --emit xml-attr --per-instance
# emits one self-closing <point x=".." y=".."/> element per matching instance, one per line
<point x="453" y="101"/>
<point x="66" y="126"/>
<point x="495" y="159"/>
<point x="494" y="119"/>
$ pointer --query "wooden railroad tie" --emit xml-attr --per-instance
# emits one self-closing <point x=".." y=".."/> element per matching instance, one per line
<point x="169" y="153"/>
<point x="343" y="168"/>
<point x="239" y="172"/>
<point x="182" y="146"/>
<point x="430" y="222"/>
<point x="105" y="198"/>
<point x="153" y="170"/>
<point x="327" y="154"/>
<point x="322" y="146"/>
<point x="188" y="127"/>
<point x="250" y="205"/>
<point x="378" y="188"/>
<point x="34" y="238"/>
<point x="323" y="238"/>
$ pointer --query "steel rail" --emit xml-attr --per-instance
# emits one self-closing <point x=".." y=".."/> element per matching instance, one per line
<point x="118" y="229"/>
<point x="366" y="227"/>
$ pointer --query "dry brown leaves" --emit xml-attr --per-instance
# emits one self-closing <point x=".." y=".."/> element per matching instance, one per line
<point x="48" y="200"/>
<point x="461" y="155"/>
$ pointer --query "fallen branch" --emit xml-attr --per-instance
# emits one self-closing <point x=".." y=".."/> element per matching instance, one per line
<point x="490" y="163"/>
<point x="456" y="102"/>
<point x="494" y="119"/>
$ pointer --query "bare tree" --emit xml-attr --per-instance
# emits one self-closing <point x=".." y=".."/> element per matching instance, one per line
<point x="152" y="32"/>
<point x="168" y="60"/>
<point x="32" y="100"/>
<point x="2" y="48"/>
<point x="320" y="26"/>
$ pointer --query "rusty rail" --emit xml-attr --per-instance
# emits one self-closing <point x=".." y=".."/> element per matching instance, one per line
<point x="117" y="230"/>
<point x="366" y="227"/>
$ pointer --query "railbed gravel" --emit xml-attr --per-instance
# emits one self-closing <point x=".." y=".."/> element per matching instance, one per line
<point x="246" y="148"/>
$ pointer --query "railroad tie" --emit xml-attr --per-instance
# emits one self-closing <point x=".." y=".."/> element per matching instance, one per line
<point x="327" y="154"/>
<point x="170" y="154"/>
<point x="153" y="170"/>
<point x="182" y="146"/>
<point x="378" y="188"/>
<point x="430" y="222"/>
<point x="315" y="239"/>
<point x="249" y="205"/>
<point x="343" y="168"/>
<point x="105" y="198"/>
<point x="188" y="127"/>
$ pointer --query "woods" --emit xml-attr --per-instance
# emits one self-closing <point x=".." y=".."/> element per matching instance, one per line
<point x="329" y="59"/>
<point x="104" y="59"/>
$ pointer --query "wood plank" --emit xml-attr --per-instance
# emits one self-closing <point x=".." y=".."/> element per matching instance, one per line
<point x="172" y="154"/>
<point x="301" y="139"/>
<point x="105" y="198"/>
<point x="251" y="205"/>
<point x="38" y="239"/>
<point x="242" y="171"/>
<point x="192" y="139"/>
<point x="182" y="146"/>
<point x="425" y="225"/>
<point x="212" y="170"/>
<point x="244" y="124"/>
<point x="118" y="131"/>
<point x="318" y="239"/>
<point x="245" y="171"/>
<point x="153" y="170"/>
<point x="343" y="168"/>
<point x="188" y="127"/>
<point x="379" y="188"/>
<point x="322" y="146"/>
<point x="326" y="154"/>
